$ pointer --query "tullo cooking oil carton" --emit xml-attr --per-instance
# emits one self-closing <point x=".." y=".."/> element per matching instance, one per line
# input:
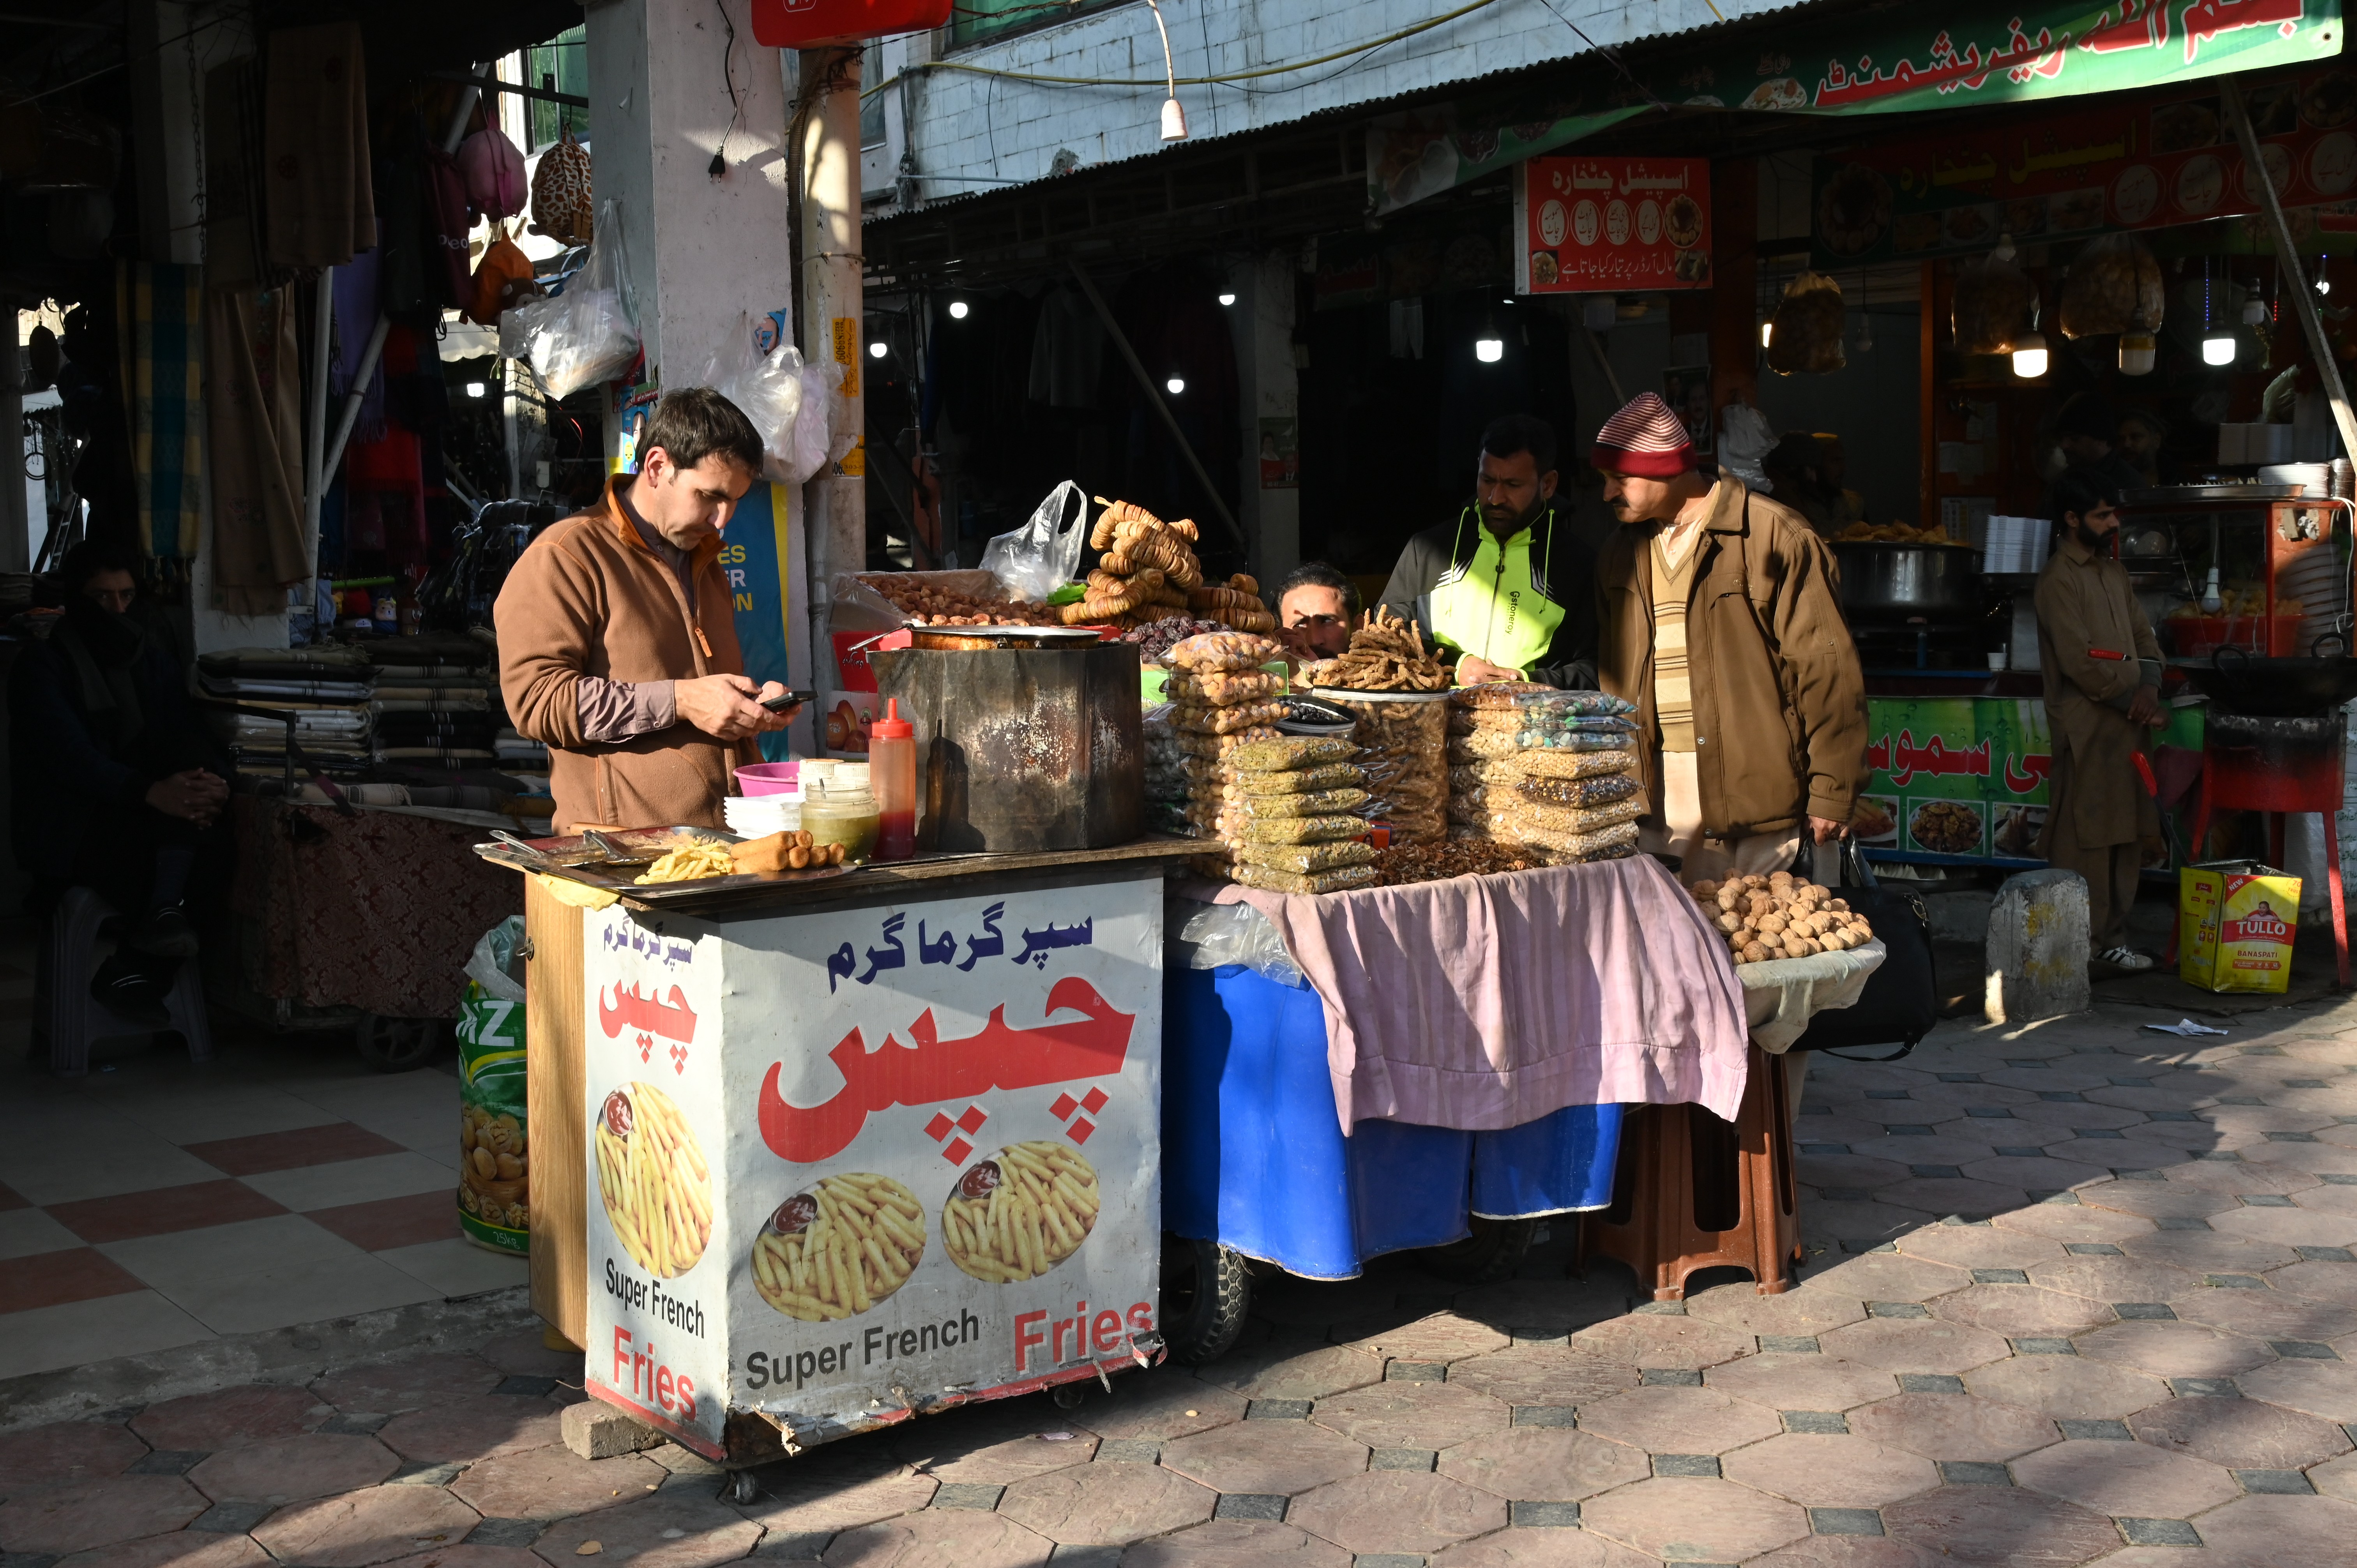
<point x="2235" y="921"/>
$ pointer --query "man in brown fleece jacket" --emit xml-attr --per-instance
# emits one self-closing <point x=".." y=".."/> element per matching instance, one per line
<point x="618" y="649"/>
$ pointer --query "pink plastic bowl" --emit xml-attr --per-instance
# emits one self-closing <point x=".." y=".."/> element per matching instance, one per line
<point x="767" y="777"/>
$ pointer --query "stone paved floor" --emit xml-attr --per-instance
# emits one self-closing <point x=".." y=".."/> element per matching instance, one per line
<point x="2084" y="1294"/>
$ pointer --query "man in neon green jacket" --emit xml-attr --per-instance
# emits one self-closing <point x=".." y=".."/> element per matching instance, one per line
<point x="1508" y="589"/>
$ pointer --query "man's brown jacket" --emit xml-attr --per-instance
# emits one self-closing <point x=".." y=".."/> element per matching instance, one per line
<point x="1779" y="700"/>
<point x="590" y="598"/>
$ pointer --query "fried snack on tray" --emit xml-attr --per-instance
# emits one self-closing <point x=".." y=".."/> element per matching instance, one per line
<point x="839" y="1248"/>
<point x="930" y="605"/>
<point x="1019" y="1213"/>
<point x="1765" y="918"/>
<point x="1453" y="857"/>
<point x="1386" y="654"/>
<point x="795" y="850"/>
<point x="1149" y="567"/>
<point x="692" y="862"/>
<point x="654" y="1180"/>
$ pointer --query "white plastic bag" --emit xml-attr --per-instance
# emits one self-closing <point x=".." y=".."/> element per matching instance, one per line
<point x="588" y="334"/>
<point x="1041" y="556"/>
<point x="1745" y="437"/>
<point x="783" y="397"/>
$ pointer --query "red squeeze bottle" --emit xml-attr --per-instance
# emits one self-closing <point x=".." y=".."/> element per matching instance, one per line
<point x="892" y="774"/>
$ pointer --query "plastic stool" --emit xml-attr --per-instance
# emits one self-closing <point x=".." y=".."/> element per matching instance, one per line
<point x="77" y="1018"/>
<point x="1693" y="1192"/>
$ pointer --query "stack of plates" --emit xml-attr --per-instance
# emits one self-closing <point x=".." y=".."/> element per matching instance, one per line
<point x="758" y="816"/>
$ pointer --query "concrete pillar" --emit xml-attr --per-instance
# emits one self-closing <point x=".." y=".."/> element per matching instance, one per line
<point x="167" y="47"/>
<point x="702" y="252"/>
<point x="15" y="545"/>
<point x="831" y="318"/>
<point x="2037" y="961"/>
<point x="1268" y="399"/>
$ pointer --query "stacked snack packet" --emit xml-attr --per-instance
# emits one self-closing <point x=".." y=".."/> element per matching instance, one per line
<point x="1219" y="699"/>
<point x="1288" y="822"/>
<point x="1553" y="772"/>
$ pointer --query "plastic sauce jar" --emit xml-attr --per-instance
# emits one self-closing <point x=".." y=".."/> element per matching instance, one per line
<point x="848" y="817"/>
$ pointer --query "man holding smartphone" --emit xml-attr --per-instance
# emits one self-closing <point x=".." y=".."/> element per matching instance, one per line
<point x="617" y="646"/>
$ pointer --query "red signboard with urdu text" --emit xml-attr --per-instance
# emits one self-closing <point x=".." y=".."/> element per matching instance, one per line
<point x="1612" y="225"/>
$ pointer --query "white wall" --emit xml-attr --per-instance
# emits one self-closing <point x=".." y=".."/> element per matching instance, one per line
<point x="991" y="128"/>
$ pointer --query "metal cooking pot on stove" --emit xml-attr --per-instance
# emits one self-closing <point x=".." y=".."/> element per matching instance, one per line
<point x="1904" y="582"/>
<point x="2240" y="682"/>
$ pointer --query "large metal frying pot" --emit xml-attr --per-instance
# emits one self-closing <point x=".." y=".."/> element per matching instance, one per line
<point x="1907" y="582"/>
<point x="2278" y="688"/>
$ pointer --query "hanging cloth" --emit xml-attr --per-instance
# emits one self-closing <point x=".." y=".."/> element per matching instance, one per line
<point x="253" y="400"/>
<point x="356" y="314"/>
<point x="160" y="308"/>
<point x="315" y="146"/>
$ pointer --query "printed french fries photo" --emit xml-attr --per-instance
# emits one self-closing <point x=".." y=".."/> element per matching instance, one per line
<point x="1019" y="1213"/>
<point x="839" y="1248"/>
<point x="654" y="1181"/>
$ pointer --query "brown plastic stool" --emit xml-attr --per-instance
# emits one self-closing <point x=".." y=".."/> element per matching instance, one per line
<point x="1695" y="1192"/>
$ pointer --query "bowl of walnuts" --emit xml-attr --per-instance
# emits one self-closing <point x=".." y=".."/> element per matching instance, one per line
<point x="1768" y="917"/>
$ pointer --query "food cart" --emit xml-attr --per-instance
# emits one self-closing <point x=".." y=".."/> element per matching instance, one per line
<point x="845" y="1146"/>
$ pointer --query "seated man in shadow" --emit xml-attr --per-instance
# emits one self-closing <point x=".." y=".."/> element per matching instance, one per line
<point x="116" y="785"/>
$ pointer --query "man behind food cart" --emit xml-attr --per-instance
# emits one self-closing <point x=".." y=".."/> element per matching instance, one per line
<point x="617" y="647"/>
<point x="2101" y="699"/>
<point x="1718" y="618"/>
<point x="1505" y="590"/>
<point x="1316" y="606"/>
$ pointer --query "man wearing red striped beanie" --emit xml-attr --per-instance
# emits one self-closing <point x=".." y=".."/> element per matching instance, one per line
<point x="1719" y="617"/>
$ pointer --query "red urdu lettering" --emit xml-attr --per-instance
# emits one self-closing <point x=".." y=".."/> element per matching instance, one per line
<point x="930" y="1070"/>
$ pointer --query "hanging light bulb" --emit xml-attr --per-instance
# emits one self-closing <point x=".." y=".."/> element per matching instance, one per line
<point x="1174" y="118"/>
<point x="2217" y="340"/>
<point x="1767" y="331"/>
<point x="1490" y="348"/>
<point x="2254" y="311"/>
<point x="1227" y="299"/>
<point x="2139" y="349"/>
<point x="878" y="349"/>
<point x="959" y="309"/>
<point x="2029" y="355"/>
<point x="1175" y="385"/>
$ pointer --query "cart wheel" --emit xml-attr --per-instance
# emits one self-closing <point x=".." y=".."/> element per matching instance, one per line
<point x="1205" y="1294"/>
<point x="741" y="1488"/>
<point x="1492" y="1252"/>
<point x="1066" y="1395"/>
<point x="396" y="1045"/>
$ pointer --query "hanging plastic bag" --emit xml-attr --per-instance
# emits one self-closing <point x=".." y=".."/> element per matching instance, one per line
<point x="1808" y="329"/>
<point x="1995" y="303"/>
<point x="1745" y="437"/>
<point x="780" y="395"/>
<point x="585" y="335"/>
<point x="2113" y="284"/>
<point x="1039" y="557"/>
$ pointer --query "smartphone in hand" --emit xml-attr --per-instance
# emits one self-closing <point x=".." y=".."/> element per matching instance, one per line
<point x="784" y="700"/>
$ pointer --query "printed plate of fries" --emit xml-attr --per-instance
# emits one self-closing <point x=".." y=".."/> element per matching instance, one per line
<point x="839" y="1248"/>
<point x="654" y="1180"/>
<point x="1020" y="1212"/>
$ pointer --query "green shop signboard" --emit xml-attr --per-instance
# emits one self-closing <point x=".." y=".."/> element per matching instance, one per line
<point x="1955" y="779"/>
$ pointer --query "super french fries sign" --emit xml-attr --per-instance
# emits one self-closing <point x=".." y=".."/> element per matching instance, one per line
<point x="852" y="1163"/>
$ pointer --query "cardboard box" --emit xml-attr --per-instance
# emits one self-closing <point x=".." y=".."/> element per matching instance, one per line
<point x="2236" y="922"/>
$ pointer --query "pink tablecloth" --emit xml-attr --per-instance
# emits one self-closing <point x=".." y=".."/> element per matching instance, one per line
<point x="1484" y="1002"/>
